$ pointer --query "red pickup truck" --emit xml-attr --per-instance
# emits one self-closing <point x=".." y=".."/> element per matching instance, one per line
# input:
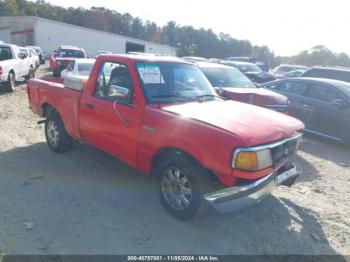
<point x="161" y="116"/>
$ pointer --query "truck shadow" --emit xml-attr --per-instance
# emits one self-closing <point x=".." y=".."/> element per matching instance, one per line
<point x="310" y="173"/>
<point x="87" y="202"/>
<point x="19" y="85"/>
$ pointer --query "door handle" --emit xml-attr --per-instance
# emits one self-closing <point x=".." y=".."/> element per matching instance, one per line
<point x="89" y="106"/>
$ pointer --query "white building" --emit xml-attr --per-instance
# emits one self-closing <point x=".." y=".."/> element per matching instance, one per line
<point x="49" y="35"/>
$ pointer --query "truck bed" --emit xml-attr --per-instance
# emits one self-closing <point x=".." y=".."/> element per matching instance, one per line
<point x="43" y="94"/>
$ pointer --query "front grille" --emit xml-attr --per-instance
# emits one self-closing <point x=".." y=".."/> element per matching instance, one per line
<point x="282" y="152"/>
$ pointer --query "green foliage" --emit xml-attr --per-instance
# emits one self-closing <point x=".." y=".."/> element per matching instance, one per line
<point x="188" y="40"/>
<point x="317" y="55"/>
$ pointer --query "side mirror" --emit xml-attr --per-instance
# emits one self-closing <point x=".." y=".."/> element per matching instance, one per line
<point x="340" y="103"/>
<point x="118" y="91"/>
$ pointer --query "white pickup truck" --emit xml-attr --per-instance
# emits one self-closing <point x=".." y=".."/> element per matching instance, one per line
<point x="14" y="66"/>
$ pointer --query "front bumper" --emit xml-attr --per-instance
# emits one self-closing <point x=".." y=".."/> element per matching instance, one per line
<point x="239" y="197"/>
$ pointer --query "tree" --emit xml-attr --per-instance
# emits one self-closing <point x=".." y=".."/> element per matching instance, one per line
<point x="187" y="40"/>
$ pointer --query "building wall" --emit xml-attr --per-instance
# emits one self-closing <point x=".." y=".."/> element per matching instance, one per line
<point x="5" y="34"/>
<point x="49" y="35"/>
<point x="21" y="30"/>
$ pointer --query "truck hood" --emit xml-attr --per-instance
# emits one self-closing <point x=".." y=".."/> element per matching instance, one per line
<point x="255" y="96"/>
<point x="254" y="125"/>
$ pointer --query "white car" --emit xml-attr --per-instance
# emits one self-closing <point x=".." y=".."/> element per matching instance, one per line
<point x="78" y="67"/>
<point x="31" y="56"/>
<point x="76" y="72"/>
<point x="14" y="65"/>
<point x="34" y="56"/>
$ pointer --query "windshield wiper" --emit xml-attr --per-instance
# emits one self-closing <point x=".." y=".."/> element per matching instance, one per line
<point x="210" y="95"/>
<point x="177" y="96"/>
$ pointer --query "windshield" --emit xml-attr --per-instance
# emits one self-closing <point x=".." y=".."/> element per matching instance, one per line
<point x="85" y="69"/>
<point x="249" y="68"/>
<point x="71" y="53"/>
<point x="173" y="82"/>
<point x="283" y="69"/>
<point x="227" y="77"/>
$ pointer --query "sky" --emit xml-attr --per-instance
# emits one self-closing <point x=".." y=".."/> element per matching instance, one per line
<point x="285" y="26"/>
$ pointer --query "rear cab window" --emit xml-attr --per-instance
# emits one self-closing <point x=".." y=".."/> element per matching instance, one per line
<point x="5" y="53"/>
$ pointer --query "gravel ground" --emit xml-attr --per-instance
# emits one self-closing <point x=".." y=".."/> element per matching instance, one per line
<point x="87" y="202"/>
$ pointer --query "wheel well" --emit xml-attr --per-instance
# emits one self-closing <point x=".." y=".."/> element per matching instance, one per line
<point x="47" y="109"/>
<point x="170" y="150"/>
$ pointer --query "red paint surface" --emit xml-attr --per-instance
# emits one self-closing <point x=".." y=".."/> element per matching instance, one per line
<point x="208" y="131"/>
<point x="255" y="96"/>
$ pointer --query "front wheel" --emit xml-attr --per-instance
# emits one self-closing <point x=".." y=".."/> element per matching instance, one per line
<point x="56" y="136"/>
<point x="181" y="185"/>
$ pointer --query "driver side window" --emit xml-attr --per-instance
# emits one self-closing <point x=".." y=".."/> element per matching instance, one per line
<point x="114" y="83"/>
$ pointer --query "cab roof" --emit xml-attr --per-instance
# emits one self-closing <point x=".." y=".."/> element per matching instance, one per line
<point x="148" y="58"/>
<point x="210" y="65"/>
<point x="70" y="47"/>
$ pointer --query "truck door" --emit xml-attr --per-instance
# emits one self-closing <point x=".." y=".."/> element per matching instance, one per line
<point x="109" y="117"/>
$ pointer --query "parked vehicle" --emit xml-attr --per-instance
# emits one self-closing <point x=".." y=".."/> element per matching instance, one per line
<point x="262" y="63"/>
<point x="30" y="57"/>
<point x="341" y="74"/>
<point x="63" y="56"/>
<point x="40" y="53"/>
<point x="194" y="59"/>
<point x="78" y="67"/>
<point x="322" y="104"/>
<point x="232" y="84"/>
<point x="103" y="52"/>
<point x="14" y="66"/>
<point x="161" y="116"/>
<point x="34" y="57"/>
<point x="283" y="69"/>
<point x="252" y="71"/>
<point x="77" y="72"/>
<point x="294" y="73"/>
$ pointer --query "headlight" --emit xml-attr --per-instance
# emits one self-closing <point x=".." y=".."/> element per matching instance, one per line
<point x="252" y="160"/>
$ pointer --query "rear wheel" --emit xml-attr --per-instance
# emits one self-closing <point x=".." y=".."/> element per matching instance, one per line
<point x="181" y="185"/>
<point x="56" y="136"/>
<point x="31" y="74"/>
<point x="10" y="85"/>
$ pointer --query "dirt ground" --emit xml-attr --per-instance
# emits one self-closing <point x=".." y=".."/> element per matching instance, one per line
<point x="87" y="202"/>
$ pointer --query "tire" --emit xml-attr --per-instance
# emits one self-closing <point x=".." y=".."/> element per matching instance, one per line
<point x="184" y="200"/>
<point x="56" y="135"/>
<point x="10" y="85"/>
<point x="31" y="74"/>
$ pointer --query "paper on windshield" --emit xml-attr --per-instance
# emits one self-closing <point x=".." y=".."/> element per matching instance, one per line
<point x="150" y="74"/>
